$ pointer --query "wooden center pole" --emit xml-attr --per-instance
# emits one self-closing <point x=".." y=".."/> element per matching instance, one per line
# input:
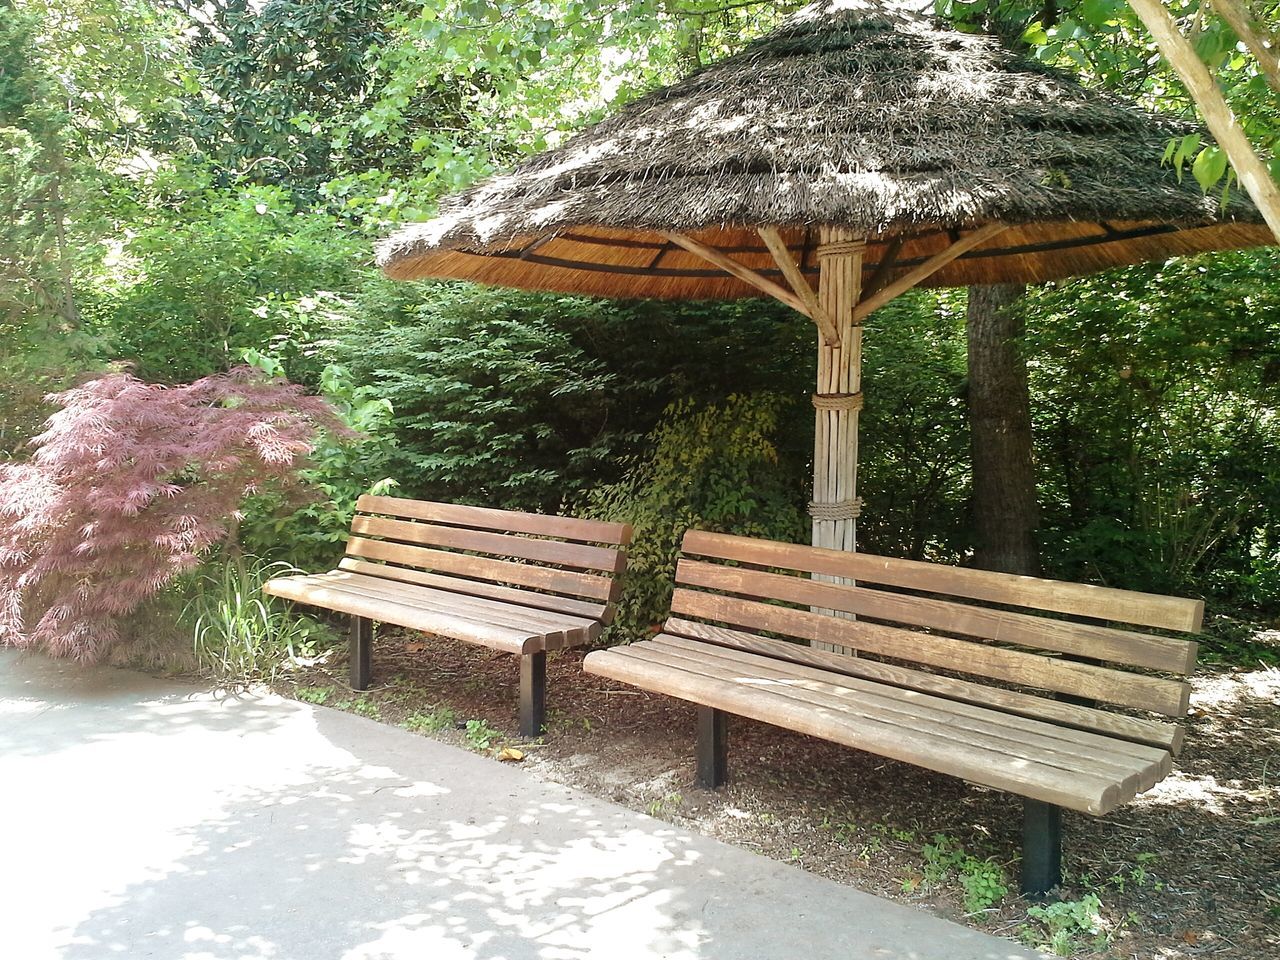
<point x="838" y="399"/>
<point x="835" y="506"/>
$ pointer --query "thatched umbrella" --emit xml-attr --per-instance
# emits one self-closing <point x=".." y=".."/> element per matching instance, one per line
<point x="862" y="145"/>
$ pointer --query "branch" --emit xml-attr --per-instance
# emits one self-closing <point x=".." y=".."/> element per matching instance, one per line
<point x="1213" y="106"/>
<point x="1246" y="28"/>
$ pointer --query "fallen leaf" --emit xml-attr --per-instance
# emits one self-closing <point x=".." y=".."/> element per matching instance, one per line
<point x="1191" y="937"/>
<point x="415" y="646"/>
<point x="511" y="754"/>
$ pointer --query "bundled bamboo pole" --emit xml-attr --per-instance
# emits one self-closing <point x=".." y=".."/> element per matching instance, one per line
<point x="838" y="398"/>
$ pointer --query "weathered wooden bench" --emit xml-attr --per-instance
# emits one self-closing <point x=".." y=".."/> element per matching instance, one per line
<point x="1003" y="698"/>
<point x="521" y="583"/>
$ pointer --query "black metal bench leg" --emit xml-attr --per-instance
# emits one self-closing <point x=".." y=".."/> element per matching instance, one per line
<point x="1041" y="847"/>
<point x="533" y="694"/>
<point x="361" y="652"/>
<point x="713" y="747"/>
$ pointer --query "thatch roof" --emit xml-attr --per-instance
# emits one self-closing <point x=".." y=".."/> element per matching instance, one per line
<point x="854" y="113"/>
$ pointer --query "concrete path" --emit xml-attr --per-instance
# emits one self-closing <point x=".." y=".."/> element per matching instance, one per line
<point x="147" y="819"/>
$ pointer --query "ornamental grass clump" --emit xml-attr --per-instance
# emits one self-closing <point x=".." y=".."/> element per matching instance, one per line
<point x="130" y="486"/>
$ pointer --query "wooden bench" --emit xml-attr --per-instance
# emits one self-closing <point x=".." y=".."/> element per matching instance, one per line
<point x="521" y="583"/>
<point x="946" y="676"/>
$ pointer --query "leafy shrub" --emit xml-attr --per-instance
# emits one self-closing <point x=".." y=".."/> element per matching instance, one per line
<point x="914" y="466"/>
<point x="238" y="633"/>
<point x="339" y="469"/>
<point x="1154" y="392"/>
<point x="714" y="467"/>
<point x="493" y="403"/>
<point x="240" y="269"/>
<point x="1066" y="925"/>
<point x="130" y="486"/>
<point x="528" y="401"/>
<point x="983" y="881"/>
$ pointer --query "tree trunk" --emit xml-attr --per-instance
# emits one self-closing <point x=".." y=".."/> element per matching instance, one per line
<point x="1005" y="511"/>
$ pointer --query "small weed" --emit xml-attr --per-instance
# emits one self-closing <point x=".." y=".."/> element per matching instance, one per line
<point x="982" y="880"/>
<point x="656" y="807"/>
<point x="361" y="706"/>
<point x="1065" y="927"/>
<point x="795" y="855"/>
<point x="480" y="736"/>
<point x="437" y="720"/>
<point x="316" y="695"/>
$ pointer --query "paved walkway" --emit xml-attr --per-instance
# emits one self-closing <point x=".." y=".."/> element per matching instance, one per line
<point x="147" y="819"/>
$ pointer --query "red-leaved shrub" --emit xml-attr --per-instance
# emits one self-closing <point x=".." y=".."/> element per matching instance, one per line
<point x="130" y="486"/>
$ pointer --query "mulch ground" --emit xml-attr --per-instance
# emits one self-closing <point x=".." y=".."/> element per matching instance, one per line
<point x="1191" y="869"/>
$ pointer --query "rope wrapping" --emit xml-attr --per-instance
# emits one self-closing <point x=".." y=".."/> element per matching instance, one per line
<point x="841" y="248"/>
<point x="840" y="510"/>
<point x="837" y="401"/>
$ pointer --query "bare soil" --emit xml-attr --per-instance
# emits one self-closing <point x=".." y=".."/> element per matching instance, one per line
<point x="1189" y="870"/>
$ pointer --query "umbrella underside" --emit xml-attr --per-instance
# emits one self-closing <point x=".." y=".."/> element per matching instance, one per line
<point x="607" y="261"/>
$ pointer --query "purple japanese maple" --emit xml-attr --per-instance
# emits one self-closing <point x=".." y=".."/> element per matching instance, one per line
<point x="130" y="486"/>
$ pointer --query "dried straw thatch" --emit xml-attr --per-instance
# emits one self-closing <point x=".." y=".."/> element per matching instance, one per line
<point x="854" y="113"/>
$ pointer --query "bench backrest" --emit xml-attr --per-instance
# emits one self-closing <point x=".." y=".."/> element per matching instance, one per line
<point x="935" y="616"/>
<point x="564" y="564"/>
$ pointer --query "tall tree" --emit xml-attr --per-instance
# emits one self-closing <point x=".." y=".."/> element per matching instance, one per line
<point x="1005" y="509"/>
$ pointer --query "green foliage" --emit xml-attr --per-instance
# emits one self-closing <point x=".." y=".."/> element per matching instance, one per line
<point x="238" y="633"/>
<point x="242" y="269"/>
<point x="442" y="718"/>
<point x="494" y="403"/>
<point x="361" y="707"/>
<point x="1154" y="393"/>
<point x="337" y="473"/>
<point x="271" y="89"/>
<point x="316" y="695"/>
<point x="716" y="467"/>
<point x="983" y="881"/>
<point x="914" y="459"/>
<point x="1067" y="926"/>
<point x="480" y="736"/>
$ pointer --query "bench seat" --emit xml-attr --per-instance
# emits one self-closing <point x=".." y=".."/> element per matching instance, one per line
<point x="499" y="625"/>
<point x="1075" y="769"/>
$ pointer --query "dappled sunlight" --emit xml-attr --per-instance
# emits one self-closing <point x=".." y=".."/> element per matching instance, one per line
<point x="307" y="829"/>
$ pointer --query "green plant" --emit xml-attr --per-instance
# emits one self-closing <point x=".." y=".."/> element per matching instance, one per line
<point x="361" y="706"/>
<point x="1063" y="926"/>
<point x="442" y="718"/>
<point x="717" y="467"/>
<point x="480" y="736"/>
<point x="983" y="881"/>
<point x="238" y="633"/>
<point x="316" y="695"/>
<point x="658" y="806"/>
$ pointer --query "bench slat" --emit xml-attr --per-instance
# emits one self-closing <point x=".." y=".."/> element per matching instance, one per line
<point x="402" y="615"/>
<point x="1157" y="733"/>
<point x="1104" y="643"/>
<point x="1101" y="603"/>
<point x="557" y="626"/>
<point x="502" y="571"/>
<point x="1079" y="679"/>
<point x="508" y="521"/>
<point x="1135" y="767"/>
<point x="478" y="588"/>
<point x="581" y="556"/>
<point x="718" y="690"/>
